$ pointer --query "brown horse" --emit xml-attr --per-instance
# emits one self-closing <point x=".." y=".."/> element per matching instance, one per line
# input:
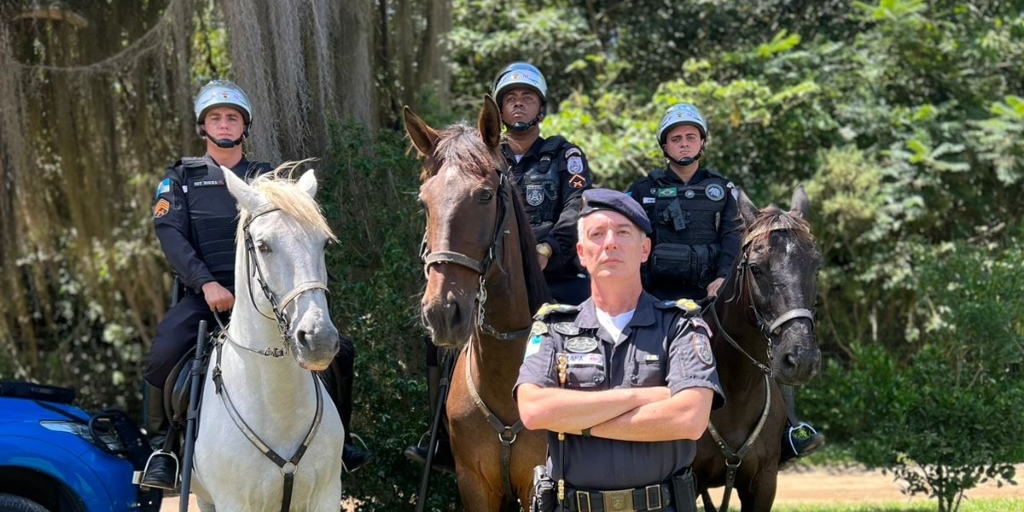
<point x="483" y="283"/>
<point x="763" y="334"/>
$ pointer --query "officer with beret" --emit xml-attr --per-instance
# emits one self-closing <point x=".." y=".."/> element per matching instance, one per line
<point x="624" y="382"/>
<point x="697" y="235"/>
<point x="550" y="175"/>
<point x="196" y="218"/>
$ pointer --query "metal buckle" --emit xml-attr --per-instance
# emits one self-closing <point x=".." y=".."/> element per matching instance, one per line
<point x="657" y="492"/>
<point x="579" y="503"/>
<point x="618" y="501"/>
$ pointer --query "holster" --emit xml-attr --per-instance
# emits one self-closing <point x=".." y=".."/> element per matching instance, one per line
<point x="684" y="492"/>
<point x="543" y="491"/>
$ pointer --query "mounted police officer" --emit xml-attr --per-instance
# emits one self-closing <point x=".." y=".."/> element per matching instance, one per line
<point x="697" y="233"/>
<point x="550" y="175"/>
<point x="624" y="382"/>
<point x="195" y="218"/>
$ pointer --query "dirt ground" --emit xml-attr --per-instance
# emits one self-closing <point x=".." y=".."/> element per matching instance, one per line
<point x="811" y="485"/>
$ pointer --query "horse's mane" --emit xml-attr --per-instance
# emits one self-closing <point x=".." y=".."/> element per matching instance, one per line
<point x="282" y="191"/>
<point x="460" y="146"/>
<point x="772" y="218"/>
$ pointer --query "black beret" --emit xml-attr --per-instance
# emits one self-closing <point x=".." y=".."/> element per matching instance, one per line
<point x="607" y="199"/>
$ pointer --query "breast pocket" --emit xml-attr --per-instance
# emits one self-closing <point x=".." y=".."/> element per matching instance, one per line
<point x="585" y="371"/>
<point x="647" y="371"/>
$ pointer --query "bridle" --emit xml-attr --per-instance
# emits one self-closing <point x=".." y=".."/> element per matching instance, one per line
<point x="482" y="268"/>
<point x="253" y="268"/>
<point x="768" y="329"/>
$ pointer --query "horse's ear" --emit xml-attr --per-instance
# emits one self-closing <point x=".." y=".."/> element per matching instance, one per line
<point x="489" y="123"/>
<point x="747" y="209"/>
<point x="800" y="203"/>
<point x="423" y="137"/>
<point x="246" y="196"/>
<point x="308" y="183"/>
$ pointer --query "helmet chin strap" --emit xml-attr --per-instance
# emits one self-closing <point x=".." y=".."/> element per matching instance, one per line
<point x="521" y="126"/>
<point x="224" y="143"/>
<point x="686" y="160"/>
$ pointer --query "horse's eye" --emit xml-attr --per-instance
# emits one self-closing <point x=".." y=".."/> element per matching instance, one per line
<point x="756" y="270"/>
<point x="263" y="246"/>
<point x="486" y="195"/>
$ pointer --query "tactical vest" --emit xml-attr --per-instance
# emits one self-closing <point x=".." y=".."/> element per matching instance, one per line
<point x="686" y="220"/>
<point x="540" y="186"/>
<point x="213" y="215"/>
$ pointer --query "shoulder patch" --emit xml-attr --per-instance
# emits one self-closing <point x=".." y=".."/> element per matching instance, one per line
<point x="163" y="187"/>
<point x="532" y="346"/>
<point x="547" y="308"/>
<point x="573" y="151"/>
<point x="539" y="328"/>
<point x="575" y="164"/>
<point x="702" y="346"/>
<point x="161" y="208"/>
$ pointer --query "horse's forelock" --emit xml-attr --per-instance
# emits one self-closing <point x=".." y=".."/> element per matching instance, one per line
<point x="773" y="218"/>
<point x="284" y="193"/>
<point x="461" y="147"/>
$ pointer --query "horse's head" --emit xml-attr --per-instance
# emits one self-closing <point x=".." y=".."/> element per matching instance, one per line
<point x="777" y="268"/>
<point x="467" y="200"/>
<point x="280" y="273"/>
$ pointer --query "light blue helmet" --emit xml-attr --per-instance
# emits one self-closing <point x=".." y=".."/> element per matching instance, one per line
<point x="222" y="93"/>
<point x="679" y="114"/>
<point x="520" y="74"/>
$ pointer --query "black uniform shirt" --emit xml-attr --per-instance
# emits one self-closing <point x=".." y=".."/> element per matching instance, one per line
<point x="663" y="346"/>
<point x="195" y="219"/>
<point x="551" y="178"/>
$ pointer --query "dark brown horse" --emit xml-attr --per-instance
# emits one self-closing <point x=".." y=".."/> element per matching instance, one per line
<point x="483" y="282"/>
<point x="763" y="334"/>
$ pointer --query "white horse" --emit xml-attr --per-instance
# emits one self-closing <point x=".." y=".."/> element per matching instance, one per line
<point x="270" y="438"/>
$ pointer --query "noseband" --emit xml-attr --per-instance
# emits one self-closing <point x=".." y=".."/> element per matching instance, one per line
<point x="767" y="329"/>
<point x="481" y="267"/>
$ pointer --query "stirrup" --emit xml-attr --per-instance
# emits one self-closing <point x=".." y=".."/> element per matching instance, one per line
<point x="806" y="449"/>
<point x="140" y="476"/>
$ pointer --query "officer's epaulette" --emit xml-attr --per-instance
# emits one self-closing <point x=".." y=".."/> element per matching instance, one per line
<point x="547" y="308"/>
<point x="688" y="306"/>
<point x="551" y="145"/>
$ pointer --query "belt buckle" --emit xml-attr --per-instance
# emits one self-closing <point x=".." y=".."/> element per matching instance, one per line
<point x="579" y="502"/>
<point x="618" y="501"/>
<point x="656" y="490"/>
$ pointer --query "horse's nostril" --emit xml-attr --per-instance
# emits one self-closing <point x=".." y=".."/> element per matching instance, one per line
<point x="303" y="339"/>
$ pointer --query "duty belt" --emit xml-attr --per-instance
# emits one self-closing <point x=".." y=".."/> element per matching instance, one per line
<point x="652" y="497"/>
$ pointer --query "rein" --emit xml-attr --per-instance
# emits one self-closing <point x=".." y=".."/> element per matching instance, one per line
<point x="254" y="269"/>
<point x="506" y="434"/>
<point x="482" y="267"/>
<point x="733" y="459"/>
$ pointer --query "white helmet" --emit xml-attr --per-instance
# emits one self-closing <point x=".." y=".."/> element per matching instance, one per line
<point x="520" y="74"/>
<point x="679" y="114"/>
<point x="222" y="93"/>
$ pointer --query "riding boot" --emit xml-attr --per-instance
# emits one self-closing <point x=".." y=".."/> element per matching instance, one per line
<point x="444" y="461"/>
<point x="799" y="439"/>
<point x="352" y="457"/>
<point x="162" y="467"/>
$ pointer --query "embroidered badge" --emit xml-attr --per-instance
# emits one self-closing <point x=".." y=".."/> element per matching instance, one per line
<point x="208" y="183"/>
<point x="534" y="195"/>
<point x="575" y="165"/>
<point x="538" y="328"/>
<point x="715" y="192"/>
<point x="566" y="328"/>
<point x="161" y="208"/>
<point x="581" y="345"/>
<point x="689" y="194"/>
<point x="573" y="152"/>
<point x="586" y="360"/>
<point x="650" y="200"/>
<point x="702" y="346"/>
<point x="577" y="181"/>
<point x="667" y="192"/>
<point x="163" y="187"/>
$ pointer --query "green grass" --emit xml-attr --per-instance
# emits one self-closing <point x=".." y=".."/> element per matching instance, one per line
<point x="972" y="505"/>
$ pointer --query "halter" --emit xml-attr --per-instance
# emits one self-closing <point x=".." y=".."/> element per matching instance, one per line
<point x="482" y="267"/>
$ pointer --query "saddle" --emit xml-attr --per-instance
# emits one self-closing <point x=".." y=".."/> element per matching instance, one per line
<point x="178" y="387"/>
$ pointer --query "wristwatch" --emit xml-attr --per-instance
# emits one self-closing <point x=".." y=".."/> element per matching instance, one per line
<point x="544" y="250"/>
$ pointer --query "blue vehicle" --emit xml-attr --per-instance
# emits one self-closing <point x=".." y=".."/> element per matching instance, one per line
<point x="55" y="457"/>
